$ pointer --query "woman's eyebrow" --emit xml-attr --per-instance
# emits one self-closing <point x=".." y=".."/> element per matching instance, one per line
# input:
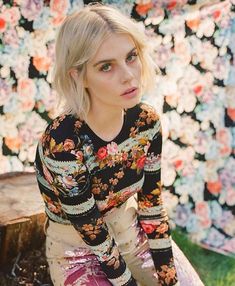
<point x="110" y="60"/>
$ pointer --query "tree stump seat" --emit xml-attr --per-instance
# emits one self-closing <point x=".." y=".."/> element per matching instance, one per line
<point x="22" y="215"/>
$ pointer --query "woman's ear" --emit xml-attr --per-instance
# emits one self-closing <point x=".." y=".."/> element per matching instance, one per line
<point x="74" y="74"/>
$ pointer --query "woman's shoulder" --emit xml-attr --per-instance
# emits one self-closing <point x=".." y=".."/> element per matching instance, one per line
<point x="145" y="114"/>
<point x="61" y="133"/>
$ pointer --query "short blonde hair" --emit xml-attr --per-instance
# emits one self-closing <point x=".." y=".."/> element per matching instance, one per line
<point x="78" y="40"/>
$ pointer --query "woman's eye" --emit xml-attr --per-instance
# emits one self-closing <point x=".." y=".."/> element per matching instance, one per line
<point x="105" y="68"/>
<point x="132" y="57"/>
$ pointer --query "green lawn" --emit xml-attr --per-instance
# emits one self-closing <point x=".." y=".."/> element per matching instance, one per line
<point x="214" y="269"/>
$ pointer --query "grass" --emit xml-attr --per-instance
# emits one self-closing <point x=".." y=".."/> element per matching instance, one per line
<point x="214" y="269"/>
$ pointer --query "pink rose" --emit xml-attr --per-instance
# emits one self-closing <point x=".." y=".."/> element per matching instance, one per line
<point x="202" y="209"/>
<point x="224" y="138"/>
<point x="26" y="89"/>
<point x="112" y="148"/>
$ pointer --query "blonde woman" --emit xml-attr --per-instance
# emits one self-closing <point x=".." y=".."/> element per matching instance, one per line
<point x="98" y="163"/>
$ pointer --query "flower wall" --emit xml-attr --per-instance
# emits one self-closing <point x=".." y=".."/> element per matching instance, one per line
<point x="194" y="45"/>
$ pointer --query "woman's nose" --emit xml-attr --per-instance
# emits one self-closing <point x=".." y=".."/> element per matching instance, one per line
<point x="126" y="73"/>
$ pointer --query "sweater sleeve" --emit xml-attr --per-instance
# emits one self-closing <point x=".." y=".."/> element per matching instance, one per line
<point x="70" y="181"/>
<point x="152" y="215"/>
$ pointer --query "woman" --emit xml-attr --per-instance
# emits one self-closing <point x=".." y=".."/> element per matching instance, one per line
<point x="98" y="163"/>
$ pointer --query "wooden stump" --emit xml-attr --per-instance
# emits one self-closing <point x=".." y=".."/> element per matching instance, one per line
<point x="21" y="215"/>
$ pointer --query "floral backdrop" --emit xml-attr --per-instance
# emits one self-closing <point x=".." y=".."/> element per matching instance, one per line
<point x="194" y="45"/>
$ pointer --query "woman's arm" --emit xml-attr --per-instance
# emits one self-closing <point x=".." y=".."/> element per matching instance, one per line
<point x="69" y="180"/>
<point x="152" y="215"/>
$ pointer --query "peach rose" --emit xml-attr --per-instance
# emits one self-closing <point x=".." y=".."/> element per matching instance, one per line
<point x="59" y="7"/>
<point x="42" y="64"/>
<point x="68" y="144"/>
<point x="13" y="143"/>
<point x="142" y="9"/>
<point x="231" y="113"/>
<point x="214" y="187"/>
<point x="162" y="228"/>
<point x="193" y="24"/>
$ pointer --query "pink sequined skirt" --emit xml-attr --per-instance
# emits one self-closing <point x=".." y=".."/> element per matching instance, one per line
<point x="71" y="263"/>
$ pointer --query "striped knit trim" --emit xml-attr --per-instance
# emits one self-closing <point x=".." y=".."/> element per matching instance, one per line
<point x="61" y="167"/>
<point x="153" y="211"/>
<point x="153" y="164"/>
<point x="79" y="208"/>
<point x="101" y="249"/>
<point x="56" y="218"/>
<point x="160" y="243"/>
<point x="43" y="182"/>
<point x="121" y="280"/>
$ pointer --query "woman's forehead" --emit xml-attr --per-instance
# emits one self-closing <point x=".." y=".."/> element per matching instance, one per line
<point x="114" y="46"/>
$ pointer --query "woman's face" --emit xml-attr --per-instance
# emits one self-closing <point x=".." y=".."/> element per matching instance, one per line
<point x="115" y="68"/>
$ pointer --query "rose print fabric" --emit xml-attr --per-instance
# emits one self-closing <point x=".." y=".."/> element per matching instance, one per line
<point x="72" y="263"/>
<point x="193" y="45"/>
<point x="83" y="178"/>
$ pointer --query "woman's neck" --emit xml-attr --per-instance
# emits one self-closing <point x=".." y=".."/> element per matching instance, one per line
<point x="106" y="123"/>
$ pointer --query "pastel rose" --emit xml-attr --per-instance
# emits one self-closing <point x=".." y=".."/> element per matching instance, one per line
<point x="12" y="15"/>
<point x="68" y="144"/>
<point x="102" y="153"/>
<point x="112" y="148"/>
<point x="31" y="9"/>
<point x="205" y="222"/>
<point x="230" y="197"/>
<point x="202" y="209"/>
<point x="26" y="88"/>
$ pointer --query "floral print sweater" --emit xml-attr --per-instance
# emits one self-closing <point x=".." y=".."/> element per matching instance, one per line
<point x="82" y="178"/>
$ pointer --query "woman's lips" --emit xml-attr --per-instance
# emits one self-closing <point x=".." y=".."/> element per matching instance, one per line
<point x="131" y="93"/>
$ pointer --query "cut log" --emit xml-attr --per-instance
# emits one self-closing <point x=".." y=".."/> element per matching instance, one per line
<point x="21" y="215"/>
